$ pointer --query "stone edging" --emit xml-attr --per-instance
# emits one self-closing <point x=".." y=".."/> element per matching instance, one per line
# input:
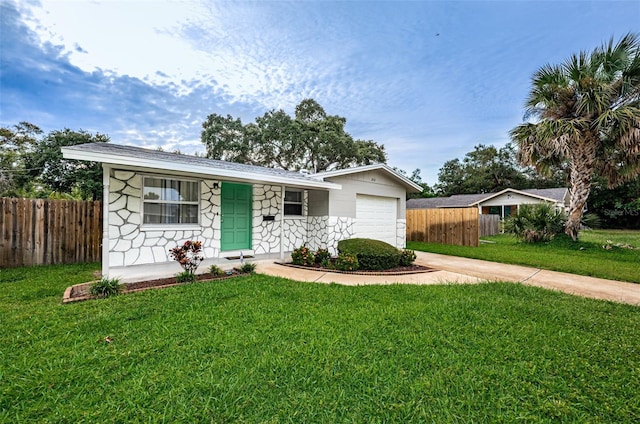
<point x="371" y="273"/>
<point x="67" y="296"/>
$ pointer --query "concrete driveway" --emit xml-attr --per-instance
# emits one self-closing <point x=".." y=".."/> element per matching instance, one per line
<point x="453" y="269"/>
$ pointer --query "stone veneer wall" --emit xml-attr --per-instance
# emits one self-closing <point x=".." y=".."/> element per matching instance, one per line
<point x="317" y="232"/>
<point x="295" y="233"/>
<point x="131" y="244"/>
<point x="266" y="234"/>
<point x="324" y="232"/>
<point x="267" y="200"/>
<point x="401" y="233"/>
<point x="296" y="229"/>
<point x="314" y="231"/>
<point x="338" y="228"/>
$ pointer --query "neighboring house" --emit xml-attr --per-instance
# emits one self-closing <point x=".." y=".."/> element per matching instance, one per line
<point x="503" y="203"/>
<point x="156" y="200"/>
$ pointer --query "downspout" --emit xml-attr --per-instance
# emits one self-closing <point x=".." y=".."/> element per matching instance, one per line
<point x="282" y="225"/>
<point x="106" y="173"/>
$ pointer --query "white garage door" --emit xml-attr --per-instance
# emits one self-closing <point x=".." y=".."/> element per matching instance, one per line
<point x="376" y="218"/>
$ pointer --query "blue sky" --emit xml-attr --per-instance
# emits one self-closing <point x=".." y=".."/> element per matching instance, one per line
<point x="428" y="79"/>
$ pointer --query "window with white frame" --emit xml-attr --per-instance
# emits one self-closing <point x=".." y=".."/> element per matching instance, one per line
<point x="292" y="202"/>
<point x="170" y="201"/>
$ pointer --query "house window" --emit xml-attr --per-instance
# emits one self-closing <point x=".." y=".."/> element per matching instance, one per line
<point x="494" y="210"/>
<point x="169" y="201"/>
<point x="292" y="202"/>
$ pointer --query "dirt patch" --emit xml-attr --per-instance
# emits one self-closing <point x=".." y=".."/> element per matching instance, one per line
<point x="80" y="292"/>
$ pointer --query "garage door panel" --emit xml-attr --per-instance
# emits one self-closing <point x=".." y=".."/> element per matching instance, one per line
<point x="376" y="218"/>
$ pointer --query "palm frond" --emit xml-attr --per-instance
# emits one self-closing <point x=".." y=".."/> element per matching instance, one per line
<point x="587" y="112"/>
<point x="619" y="126"/>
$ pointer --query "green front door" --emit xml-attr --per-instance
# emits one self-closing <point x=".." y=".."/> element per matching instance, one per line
<point x="236" y="216"/>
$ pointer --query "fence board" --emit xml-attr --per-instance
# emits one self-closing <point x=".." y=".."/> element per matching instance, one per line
<point x="489" y="225"/>
<point x="43" y="231"/>
<point x="446" y="225"/>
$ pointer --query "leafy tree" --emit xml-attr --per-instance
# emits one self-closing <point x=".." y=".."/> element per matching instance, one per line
<point x="416" y="178"/>
<point x="274" y="137"/>
<point x="310" y="140"/>
<point x="224" y="138"/>
<point x="486" y="169"/>
<point x="450" y="178"/>
<point x="67" y="176"/>
<point x="15" y="144"/>
<point x="494" y="169"/>
<point x="618" y="207"/>
<point x="587" y="112"/>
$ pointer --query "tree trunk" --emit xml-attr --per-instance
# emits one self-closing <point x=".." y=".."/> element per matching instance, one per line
<point x="582" y="159"/>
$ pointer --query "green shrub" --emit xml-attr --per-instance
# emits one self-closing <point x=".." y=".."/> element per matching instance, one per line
<point x="321" y="256"/>
<point x="535" y="223"/>
<point x="302" y="256"/>
<point x="246" y="268"/>
<point x="346" y="262"/>
<point x="591" y="220"/>
<point x="105" y="287"/>
<point x="371" y="254"/>
<point x="185" y="277"/>
<point x="326" y="263"/>
<point x="216" y="270"/>
<point x="407" y="257"/>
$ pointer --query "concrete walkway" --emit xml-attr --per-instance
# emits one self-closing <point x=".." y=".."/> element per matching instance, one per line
<point x="452" y="269"/>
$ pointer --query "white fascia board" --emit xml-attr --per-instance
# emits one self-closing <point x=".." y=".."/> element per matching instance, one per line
<point x="525" y="193"/>
<point x="513" y="190"/>
<point x="131" y="161"/>
<point x="365" y="168"/>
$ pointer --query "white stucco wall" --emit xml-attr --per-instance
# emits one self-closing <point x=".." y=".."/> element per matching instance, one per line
<point x="342" y="203"/>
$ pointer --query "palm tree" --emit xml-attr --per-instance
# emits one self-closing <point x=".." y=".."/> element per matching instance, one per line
<point x="586" y="113"/>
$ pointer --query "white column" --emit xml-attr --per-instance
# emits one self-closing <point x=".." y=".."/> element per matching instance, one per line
<point x="282" y="224"/>
<point x="106" y="173"/>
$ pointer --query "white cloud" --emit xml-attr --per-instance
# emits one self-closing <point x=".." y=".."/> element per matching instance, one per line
<point x="163" y="66"/>
<point x="234" y="48"/>
<point x="127" y="38"/>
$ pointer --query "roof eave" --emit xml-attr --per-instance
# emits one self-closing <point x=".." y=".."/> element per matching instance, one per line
<point x="410" y="185"/>
<point x="513" y="190"/>
<point x="114" y="159"/>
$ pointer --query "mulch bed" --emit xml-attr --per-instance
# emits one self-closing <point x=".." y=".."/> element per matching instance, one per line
<point x="80" y="292"/>
<point x="401" y="270"/>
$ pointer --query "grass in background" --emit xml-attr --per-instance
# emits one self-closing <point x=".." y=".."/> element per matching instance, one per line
<point x="585" y="257"/>
<point x="264" y="349"/>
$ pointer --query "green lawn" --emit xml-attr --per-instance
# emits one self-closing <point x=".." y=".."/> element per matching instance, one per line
<point x="585" y="257"/>
<point x="264" y="349"/>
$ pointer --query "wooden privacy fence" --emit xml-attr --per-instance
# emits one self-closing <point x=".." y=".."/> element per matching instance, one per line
<point x="457" y="226"/>
<point x="43" y="231"/>
<point x="489" y="225"/>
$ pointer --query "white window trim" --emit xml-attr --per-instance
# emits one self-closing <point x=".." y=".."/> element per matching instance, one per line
<point x="170" y="226"/>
